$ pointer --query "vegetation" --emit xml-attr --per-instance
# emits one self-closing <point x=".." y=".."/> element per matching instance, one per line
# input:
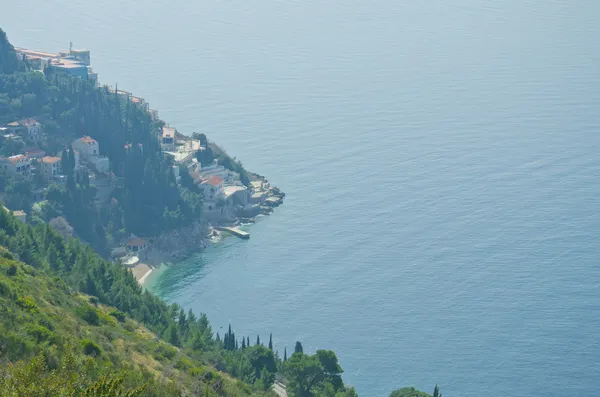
<point x="148" y="200"/>
<point x="75" y="324"/>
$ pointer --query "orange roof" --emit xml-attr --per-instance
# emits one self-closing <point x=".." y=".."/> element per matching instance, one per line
<point x="29" y="122"/>
<point x="34" y="151"/>
<point x="136" y="242"/>
<point x="87" y="139"/>
<point x="13" y="124"/>
<point x="16" y="158"/>
<point x="214" y="180"/>
<point x="50" y="160"/>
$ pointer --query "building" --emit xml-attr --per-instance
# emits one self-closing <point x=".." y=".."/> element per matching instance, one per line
<point x="13" y="127"/>
<point x="88" y="149"/>
<point x="33" y="129"/>
<point x="50" y="167"/>
<point x="35" y="154"/>
<point x="19" y="214"/>
<point x="136" y="245"/>
<point x="167" y="142"/>
<point x="86" y="146"/>
<point x="73" y="62"/>
<point x="16" y="165"/>
<point x="212" y="188"/>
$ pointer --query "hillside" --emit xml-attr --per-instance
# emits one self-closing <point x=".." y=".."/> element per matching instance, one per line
<point x="42" y="316"/>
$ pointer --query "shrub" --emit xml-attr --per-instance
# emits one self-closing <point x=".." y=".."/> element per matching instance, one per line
<point x="27" y="304"/>
<point x="39" y="332"/>
<point x="88" y="313"/>
<point x="90" y="348"/>
<point x="94" y="300"/>
<point x="5" y="289"/>
<point x="12" y="270"/>
<point x="119" y="315"/>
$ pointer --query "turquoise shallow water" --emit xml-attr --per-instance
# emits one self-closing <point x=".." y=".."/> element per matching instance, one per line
<point x="440" y="161"/>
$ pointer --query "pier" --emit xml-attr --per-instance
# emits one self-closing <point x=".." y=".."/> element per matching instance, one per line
<point x="235" y="231"/>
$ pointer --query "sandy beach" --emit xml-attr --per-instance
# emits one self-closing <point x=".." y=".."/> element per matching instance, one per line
<point x="141" y="271"/>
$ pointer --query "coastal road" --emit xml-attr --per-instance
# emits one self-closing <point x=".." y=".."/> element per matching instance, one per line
<point x="280" y="389"/>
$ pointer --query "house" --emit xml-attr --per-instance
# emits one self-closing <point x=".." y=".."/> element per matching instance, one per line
<point x="35" y="154"/>
<point x="136" y="245"/>
<point x="88" y="148"/>
<point x="19" y="214"/>
<point x="16" y="165"/>
<point x="33" y="128"/>
<point x="50" y="167"/>
<point x="167" y="142"/>
<point x="13" y="127"/>
<point x="212" y="188"/>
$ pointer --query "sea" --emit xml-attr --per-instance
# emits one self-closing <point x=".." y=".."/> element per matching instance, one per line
<point x="441" y="164"/>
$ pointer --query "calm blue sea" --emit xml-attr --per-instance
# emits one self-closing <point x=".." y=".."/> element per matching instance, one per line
<point x="441" y="164"/>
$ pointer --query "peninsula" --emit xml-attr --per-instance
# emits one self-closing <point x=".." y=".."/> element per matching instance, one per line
<point x="102" y="166"/>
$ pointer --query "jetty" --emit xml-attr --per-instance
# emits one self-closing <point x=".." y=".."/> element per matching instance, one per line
<point x="235" y="231"/>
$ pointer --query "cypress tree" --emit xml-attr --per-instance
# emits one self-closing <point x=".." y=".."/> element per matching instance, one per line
<point x="298" y="348"/>
<point x="248" y="341"/>
<point x="236" y="345"/>
<point x="436" y="392"/>
<point x="257" y="340"/>
<point x="271" y="341"/>
<point x="218" y="339"/>
<point x="71" y="159"/>
<point x="243" y="343"/>
<point x="64" y="162"/>
<point x="285" y="354"/>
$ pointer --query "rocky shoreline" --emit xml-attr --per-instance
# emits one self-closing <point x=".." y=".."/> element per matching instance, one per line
<point x="177" y="245"/>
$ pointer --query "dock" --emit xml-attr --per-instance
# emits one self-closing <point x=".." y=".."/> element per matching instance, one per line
<point x="235" y="231"/>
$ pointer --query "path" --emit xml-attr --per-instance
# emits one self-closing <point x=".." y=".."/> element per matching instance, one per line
<point x="280" y="389"/>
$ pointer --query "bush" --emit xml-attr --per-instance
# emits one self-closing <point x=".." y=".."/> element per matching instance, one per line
<point x="28" y="304"/>
<point x="12" y="270"/>
<point x="5" y="289"/>
<point x="39" y="333"/>
<point x="88" y="313"/>
<point x="90" y="348"/>
<point x="119" y="315"/>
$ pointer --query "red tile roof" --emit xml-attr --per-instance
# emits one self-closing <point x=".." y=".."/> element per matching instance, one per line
<point x="50" y="160"/>
<point x="87" y="139"/>
<point x="16" y="158"/>
<point x="29" y="122"/>
<point x="214" y="180"/>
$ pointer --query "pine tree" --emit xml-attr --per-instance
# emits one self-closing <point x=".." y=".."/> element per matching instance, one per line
<point x="257" y="340"/>
<point x="271" y="341"/>
<point x="298" y="348"/>
<point x="285" y="354"/>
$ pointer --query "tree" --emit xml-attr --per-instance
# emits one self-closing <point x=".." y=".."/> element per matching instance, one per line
<point x="409" y="392"/>
<point x="260" y="357"/>
<point x="271" y="341"/>
<point x="257" y="340"/>
<point x="285" y="354"/>
<point x="298" y="348"/>
<point x="305" y="374"/>
<point x="172" y="335"/>
<point x="436" y="391"/>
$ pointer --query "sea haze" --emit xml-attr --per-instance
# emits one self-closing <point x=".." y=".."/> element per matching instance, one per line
<point x="440" y="160"/>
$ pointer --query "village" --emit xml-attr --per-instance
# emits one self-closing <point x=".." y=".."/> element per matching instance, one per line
<point x="226" y="200"/>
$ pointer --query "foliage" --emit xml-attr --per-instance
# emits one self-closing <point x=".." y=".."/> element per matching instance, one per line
<point x="409" y="392"/>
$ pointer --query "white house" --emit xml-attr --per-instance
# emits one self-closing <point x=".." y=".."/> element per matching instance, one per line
<point x="167" y="142"/>
<point x="33" y="128"/>
<point x="17" y="165"/>
<point x="88" y="148"/>
<point x="212" y="188"/>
